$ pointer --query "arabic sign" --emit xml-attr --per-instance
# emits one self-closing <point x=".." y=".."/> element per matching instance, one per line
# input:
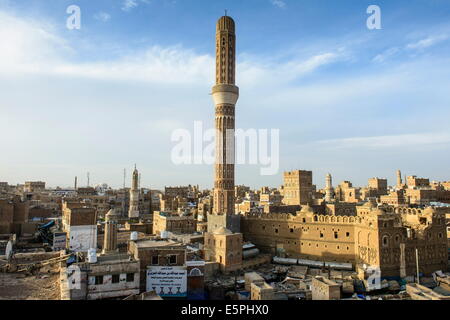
<point x="59" y="241"/>
<point x="167" y="281"/>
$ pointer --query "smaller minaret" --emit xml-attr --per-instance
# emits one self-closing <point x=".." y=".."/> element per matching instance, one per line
<point x="399" y="179"/>
<point x="328" y="188"/>
<point x="110" y="241"/>
<point x="133" y="211"/>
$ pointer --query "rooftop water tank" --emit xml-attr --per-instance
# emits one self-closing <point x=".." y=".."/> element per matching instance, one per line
<point x="164" y="235"/>
<point x="9" y="250"/>
<point x="92" y="255"/>
<point x="246" y="254"/>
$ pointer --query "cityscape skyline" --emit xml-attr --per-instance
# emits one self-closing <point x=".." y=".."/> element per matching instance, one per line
<point x="377" y="84"/>
<point x="326" y="164"/>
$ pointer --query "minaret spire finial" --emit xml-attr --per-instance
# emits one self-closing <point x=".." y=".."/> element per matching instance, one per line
<point x="226" y="12"/>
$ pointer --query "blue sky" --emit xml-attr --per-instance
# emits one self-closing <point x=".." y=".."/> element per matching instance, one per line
<point x="350" y="101"/>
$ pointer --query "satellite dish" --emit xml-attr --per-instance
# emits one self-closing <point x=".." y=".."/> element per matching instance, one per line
<point x="9" y="250"/>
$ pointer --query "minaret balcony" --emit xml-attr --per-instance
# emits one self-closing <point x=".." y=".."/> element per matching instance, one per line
<point x="225" y="94"/>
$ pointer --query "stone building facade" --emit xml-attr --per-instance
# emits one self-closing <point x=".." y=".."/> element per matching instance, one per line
<point x="224" y="247"/>
<point x="79" y="221"/>
<point x="262" y="291"/>
<point x="34" y="186"/>
<point x="156" y="253"/>
<point x="13" y="214"/>
<point x="163" y="221"/>
<point x="297" y="187"/>
<point x="110" y="277"/>
<point x="325" y="289"/>
<point x="372" y="237"/>
<point x="346" y="192"/>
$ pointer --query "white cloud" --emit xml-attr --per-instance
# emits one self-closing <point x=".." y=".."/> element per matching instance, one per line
<point x="296" y="68"/>
<point x="31" y="45"/>
<point x="175" y="64"/>
<point x="128" y="5"/>
<point x="390" y="141"/>
<point x="427" y="42"/>
<point x="278" y="3"/>
<point x="34" y="48"/>
<point x="102" y="16"/>
<point x="253" y="72"/>
<point x="418" y="45"/>
<point x="386" y="54"/>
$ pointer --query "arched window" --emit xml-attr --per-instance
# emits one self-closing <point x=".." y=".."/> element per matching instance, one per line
<point x="385" y="240"/>
<point x="195" y="273"/>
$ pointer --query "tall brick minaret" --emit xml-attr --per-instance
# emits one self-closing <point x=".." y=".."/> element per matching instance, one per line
<point x="110" y="237"/>
<point x="223" y="223"/>
<point x="225" y="95"/>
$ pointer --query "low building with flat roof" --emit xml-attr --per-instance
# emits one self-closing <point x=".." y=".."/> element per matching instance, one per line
<point x="325" y="289"/>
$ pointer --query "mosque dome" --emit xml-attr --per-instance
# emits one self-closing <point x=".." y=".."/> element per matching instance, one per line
<point x="369" y="204"/>
<point x="222" y="230"/>
<point x="307" y="209"/>
<point x="379" y="211"/>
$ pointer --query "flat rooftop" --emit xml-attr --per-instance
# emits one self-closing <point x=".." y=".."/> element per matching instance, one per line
<point x="114" y="258"/>
<point x="153" y="243"/>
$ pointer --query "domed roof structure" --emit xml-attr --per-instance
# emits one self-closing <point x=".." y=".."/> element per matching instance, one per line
<point x="379" y="211"/>
<point x="226" y="23"/>
<point x="222" y="230"/>
<point x="307" y="209"/>
<point x="369" y="204"/>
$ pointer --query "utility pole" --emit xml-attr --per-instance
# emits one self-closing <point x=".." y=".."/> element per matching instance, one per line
<point x="417" y="265"/>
